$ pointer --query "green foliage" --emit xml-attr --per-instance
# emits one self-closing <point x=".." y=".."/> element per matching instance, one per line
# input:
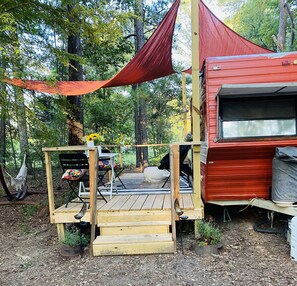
<point x="110" y="116"/>
<point x="30" y="210"/>
<point x="209" y="234"/>
<point x="33" y="46"/>
<point x="256" y="20"/>
<point x="164" y="109"/>
<point x="26" y="265"/>
<point x="73" y="237"/>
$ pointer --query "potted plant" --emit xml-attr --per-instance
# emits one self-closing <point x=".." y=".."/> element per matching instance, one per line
<point x="208" y="240"/>
<point x="74" y="242"/>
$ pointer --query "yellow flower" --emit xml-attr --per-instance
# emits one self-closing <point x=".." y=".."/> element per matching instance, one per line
<point x="92" y="137"/>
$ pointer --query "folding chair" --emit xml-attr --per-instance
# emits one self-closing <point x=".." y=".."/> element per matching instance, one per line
<point x="75" y="167"/>
<point x="104" y="167"/>
<point x="185" y="169"/>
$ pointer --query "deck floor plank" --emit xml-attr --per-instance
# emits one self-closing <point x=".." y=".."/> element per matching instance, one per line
<point x="167" y="202"/>
<point x="158" y="203"/>
<point x="129" y="203"/>
<point x="71" y="207"/>
<point x="118" y="205"/>
<point x="187" y="201"/>
<point x="111" y="203"/>
<point x="139" y="202"/>
<point x="100" y="204"/>
<point x="181" y="201"/>
<point x="149" y="202"/>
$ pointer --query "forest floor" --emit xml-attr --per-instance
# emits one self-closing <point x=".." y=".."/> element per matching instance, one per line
<point x="30" y="254"/>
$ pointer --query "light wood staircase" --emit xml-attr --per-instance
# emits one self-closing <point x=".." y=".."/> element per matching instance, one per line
<point x="133" y="232"/>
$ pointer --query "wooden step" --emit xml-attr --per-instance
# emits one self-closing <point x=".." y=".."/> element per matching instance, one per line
<point x="133" y="244"/>
<point x="134" y="223"/>
<point x="132" y="216"/>
<point x="137" y="227"/>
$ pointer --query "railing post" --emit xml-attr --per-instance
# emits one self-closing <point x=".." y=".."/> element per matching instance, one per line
<point x="50" y="188"/>
<point x="174" y="185"/>
<point x="197" y="177"/>
<point x="93" y="167"/>
<point x="120" y="155"/>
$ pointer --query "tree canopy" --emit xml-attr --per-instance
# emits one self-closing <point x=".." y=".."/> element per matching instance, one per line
<point x="34" y="44"/>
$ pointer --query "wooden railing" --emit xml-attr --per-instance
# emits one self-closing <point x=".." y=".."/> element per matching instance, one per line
<point x="93" y="155"/>
<point x="93" y="166"/>
<point x="174" y="181"/>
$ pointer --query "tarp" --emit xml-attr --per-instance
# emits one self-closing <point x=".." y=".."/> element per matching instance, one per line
<point x="284" y="176"/>
<point x="216" y="39"/>
<point x="154" y="59"/>
<point x="151" y="62"/>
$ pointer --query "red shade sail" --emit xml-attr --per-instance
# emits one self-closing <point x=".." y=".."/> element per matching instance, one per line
<point x="216" y="39"/>
<point x="154" y="59"/>
<point x="151" y="62"/>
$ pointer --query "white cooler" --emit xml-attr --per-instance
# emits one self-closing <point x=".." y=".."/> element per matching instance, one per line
<point x="294" y="238"/>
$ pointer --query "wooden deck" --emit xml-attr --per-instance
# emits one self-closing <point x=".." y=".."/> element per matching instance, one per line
<point x="131" y="224"/>
<point x="127" y="203"/>
<point x="138" y="219"/>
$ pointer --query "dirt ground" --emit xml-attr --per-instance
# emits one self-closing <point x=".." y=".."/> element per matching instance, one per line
<point x="30" y="255"/>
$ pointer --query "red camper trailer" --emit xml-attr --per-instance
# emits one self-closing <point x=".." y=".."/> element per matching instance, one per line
<point x="249" y="107"/>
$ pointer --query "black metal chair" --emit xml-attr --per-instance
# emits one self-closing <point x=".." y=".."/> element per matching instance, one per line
<point x="76" y="168"/>
<point x="185" y="169"/>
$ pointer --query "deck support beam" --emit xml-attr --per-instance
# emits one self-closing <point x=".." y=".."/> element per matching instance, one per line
<point x="50" y="188"/>
<point x="196" y="105"/>
<point x="61" y="231"/>
<point x="185" y="109"/>
<point x="93" y="166"/>
<point x="174" y="185"/>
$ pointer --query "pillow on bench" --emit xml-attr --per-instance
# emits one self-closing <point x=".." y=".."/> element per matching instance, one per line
<point x="73" y="174"/>
<point x="105" y="164"/>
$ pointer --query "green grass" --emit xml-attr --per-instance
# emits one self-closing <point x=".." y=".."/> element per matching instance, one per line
<point x="29" y="211"/>
<point x="209" y="234"/>
<point x="129" y="158"/>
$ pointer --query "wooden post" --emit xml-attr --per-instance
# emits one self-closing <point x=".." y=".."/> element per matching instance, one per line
<point x="61" y="231"/>
<point x="120" y="155"/>
<point x="93" y="166"/>
<point x="50" y="188"/>
<point x="185" y="111"/>
<point x="196" y="102"/>
<point x="175" y="166"/>
<point x="174" y="185"/>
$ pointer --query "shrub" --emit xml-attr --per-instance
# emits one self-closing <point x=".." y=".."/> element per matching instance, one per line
<point x="73" y="237"/>
<point x="208" y="233"/>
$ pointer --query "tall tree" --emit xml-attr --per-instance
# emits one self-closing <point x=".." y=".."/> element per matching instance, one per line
<point x="282" y="28"/>
<point x="151" y="19"/>
<point x="140" y="114"/>
<point x="3" y="124"/>
<point x="75" y="116"/>
<point x="21" y="121"/>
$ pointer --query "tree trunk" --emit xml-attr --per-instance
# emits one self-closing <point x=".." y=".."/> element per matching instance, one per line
<point x="3" y="128"/>
<point x="283" y="16"/>
<point x="3" y="116"/>
<point x="140" y="113"/>
<point x="75" y="115"/>
<point x="22" y="127"/>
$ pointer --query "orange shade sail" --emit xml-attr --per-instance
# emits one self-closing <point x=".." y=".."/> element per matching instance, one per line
<point x="151" y="62"/>
<point x="154" y="60"/>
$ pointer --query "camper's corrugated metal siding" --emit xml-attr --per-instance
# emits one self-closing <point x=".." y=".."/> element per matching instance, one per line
<point x="241" y="169"/>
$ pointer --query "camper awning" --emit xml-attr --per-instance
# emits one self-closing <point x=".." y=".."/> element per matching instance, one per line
<point x="258" y="89"/>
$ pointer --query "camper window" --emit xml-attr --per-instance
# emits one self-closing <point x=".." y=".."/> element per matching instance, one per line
<point x="260" y="116"/>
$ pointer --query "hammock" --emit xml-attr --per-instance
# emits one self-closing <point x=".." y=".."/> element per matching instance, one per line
<point x="18" y="183"/>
